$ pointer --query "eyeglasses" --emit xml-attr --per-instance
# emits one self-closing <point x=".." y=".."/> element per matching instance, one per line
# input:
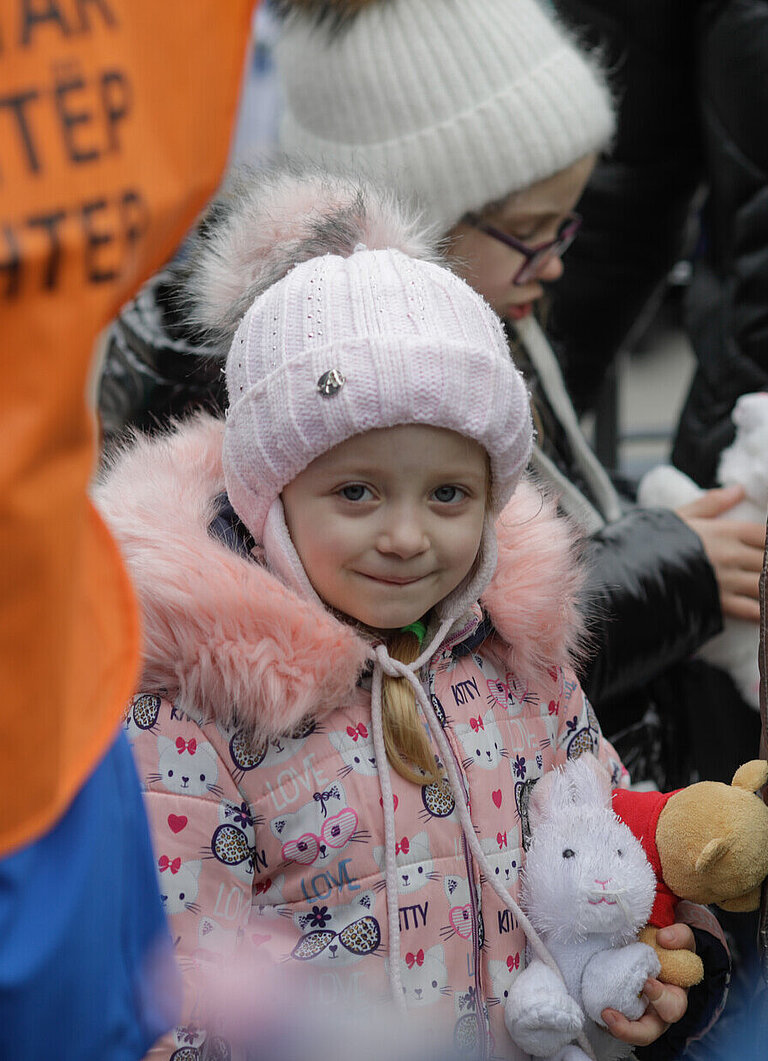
<point x="536" y="258"/>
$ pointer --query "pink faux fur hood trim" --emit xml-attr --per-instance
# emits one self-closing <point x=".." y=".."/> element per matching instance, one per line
<point x="222" y="633"/>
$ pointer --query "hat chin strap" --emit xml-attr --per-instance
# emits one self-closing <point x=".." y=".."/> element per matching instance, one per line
<point x="471" y="588"/>
<point x="281" y="555"/>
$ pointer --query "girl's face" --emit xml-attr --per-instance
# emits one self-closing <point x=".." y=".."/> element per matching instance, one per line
<point x="532" y="216"/>
<point x="389" y="522"/>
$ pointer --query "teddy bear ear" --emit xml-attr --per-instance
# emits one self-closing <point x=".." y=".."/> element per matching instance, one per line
<point x="751" y="776"/>
<point x="712" y="852"/>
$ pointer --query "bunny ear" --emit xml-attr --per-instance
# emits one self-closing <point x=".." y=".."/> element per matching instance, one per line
<point x="581" y="782"/>
<point x="541" y="799"/>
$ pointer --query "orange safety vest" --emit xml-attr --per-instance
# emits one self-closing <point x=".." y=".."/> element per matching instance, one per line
<point x="115" y="122"/>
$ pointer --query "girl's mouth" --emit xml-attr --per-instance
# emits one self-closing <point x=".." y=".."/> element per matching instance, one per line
<point x="393" y="580"/>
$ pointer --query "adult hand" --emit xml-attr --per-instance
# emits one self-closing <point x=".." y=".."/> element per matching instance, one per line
<point x="734" y="548"/>
<point x="666" y="1003"/>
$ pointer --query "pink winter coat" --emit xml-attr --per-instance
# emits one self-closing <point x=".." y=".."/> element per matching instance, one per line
<point x="252" y="735"/>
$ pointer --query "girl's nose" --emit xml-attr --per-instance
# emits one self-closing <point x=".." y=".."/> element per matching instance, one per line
<point x="403" y="536"/>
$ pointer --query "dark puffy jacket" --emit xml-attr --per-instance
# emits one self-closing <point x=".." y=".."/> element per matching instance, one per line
<point x="651" y="601"/>
<point x="155" y="367"/>
<point x="691" y="78"/>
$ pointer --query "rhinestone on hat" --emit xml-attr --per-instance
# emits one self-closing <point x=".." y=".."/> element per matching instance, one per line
<point x="331" y="382"/>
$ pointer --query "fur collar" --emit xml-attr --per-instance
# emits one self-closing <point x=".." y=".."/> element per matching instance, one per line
<point x="222" y="633"/>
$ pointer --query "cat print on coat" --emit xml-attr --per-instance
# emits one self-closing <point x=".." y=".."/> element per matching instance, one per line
<point x="318" y="832"/>
<point x="511" y="693"/>
<point x="415" y="867"/>
<point x="465" y="1032"/>
<point x="247" y="754"/>
<point x="482" y="742"/>
<point x="186" y="766"/>
<point x="338" y="935"/>
<point x="424" y="976"/>
<point x="142" y="713"/>
<point x="503" y="858"/>
<point x="355" y="745"/>
<point x="438" y="800"/>
<point x="269" y="891"/>
<point x="178" y="883"/>
<point x="216" y="940"/>
<point x="210" y="1047"/>
<point x="502" y="975"/>
<point x="461" y="917"/>
<point x="432" y="682"/>
<point x="234" y="839"/>
<point x="189" y="1038"/>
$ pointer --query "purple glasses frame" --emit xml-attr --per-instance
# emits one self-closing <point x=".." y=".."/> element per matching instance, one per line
<point x="535" y="257"/>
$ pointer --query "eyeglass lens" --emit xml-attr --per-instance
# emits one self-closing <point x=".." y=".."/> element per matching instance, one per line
<point x="538" y="261"/>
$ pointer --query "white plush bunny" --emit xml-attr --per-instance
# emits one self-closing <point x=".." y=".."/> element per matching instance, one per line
<point x="587" y="889"/>
<point x="743" y="463"/>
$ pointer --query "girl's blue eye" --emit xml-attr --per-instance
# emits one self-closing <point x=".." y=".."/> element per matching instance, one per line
<point x="355" y="492"/>
<point x="449" y="494"/>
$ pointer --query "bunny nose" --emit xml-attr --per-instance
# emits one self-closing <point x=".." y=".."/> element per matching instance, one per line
<point x="603" y="883"/>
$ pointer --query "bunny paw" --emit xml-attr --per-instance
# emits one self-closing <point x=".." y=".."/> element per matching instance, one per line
<point x="543" y="1027"/>
<point x="615" y="979"/>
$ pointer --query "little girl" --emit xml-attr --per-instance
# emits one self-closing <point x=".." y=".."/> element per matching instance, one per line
<point x="488" y="116"/>
<point x="358" y="623"/>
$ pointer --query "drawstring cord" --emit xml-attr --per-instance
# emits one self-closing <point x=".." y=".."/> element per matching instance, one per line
<point x="390" y="867"/>
<point x="385" y="664"/>
<point x="380" y="667"/>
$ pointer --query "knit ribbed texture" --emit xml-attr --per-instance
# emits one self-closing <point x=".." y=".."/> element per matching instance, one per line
<point x="413" y="344"/>
<point x="455" y="102"/>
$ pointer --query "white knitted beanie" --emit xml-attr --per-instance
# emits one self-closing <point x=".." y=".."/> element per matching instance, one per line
<point x="341" y="346"/>
<point x="456" y="103"/>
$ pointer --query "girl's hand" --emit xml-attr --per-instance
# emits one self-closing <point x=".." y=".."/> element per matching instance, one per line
<point x="666" y="1003"/>
<point x="734" y="548"/>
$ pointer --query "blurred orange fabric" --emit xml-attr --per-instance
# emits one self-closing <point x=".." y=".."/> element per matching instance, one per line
<point x="115" y="122"/>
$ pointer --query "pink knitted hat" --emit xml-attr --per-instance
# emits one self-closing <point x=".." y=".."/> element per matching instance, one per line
<point x="343" y="345"/>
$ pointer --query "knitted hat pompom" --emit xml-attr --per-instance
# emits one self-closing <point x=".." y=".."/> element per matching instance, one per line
<point x="267" y="221"/>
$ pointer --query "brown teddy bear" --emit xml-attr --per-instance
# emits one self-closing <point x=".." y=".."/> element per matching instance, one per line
<point x="707" y="843"/>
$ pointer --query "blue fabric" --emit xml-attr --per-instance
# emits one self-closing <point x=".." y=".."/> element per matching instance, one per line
<point x="86" y="962"/>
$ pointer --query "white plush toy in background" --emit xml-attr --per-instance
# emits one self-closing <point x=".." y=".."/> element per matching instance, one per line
<point x="743" y="463"/>
<point x="587" y="888"/>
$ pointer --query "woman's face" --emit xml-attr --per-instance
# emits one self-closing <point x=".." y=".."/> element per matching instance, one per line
<point x="532" y="216"/>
